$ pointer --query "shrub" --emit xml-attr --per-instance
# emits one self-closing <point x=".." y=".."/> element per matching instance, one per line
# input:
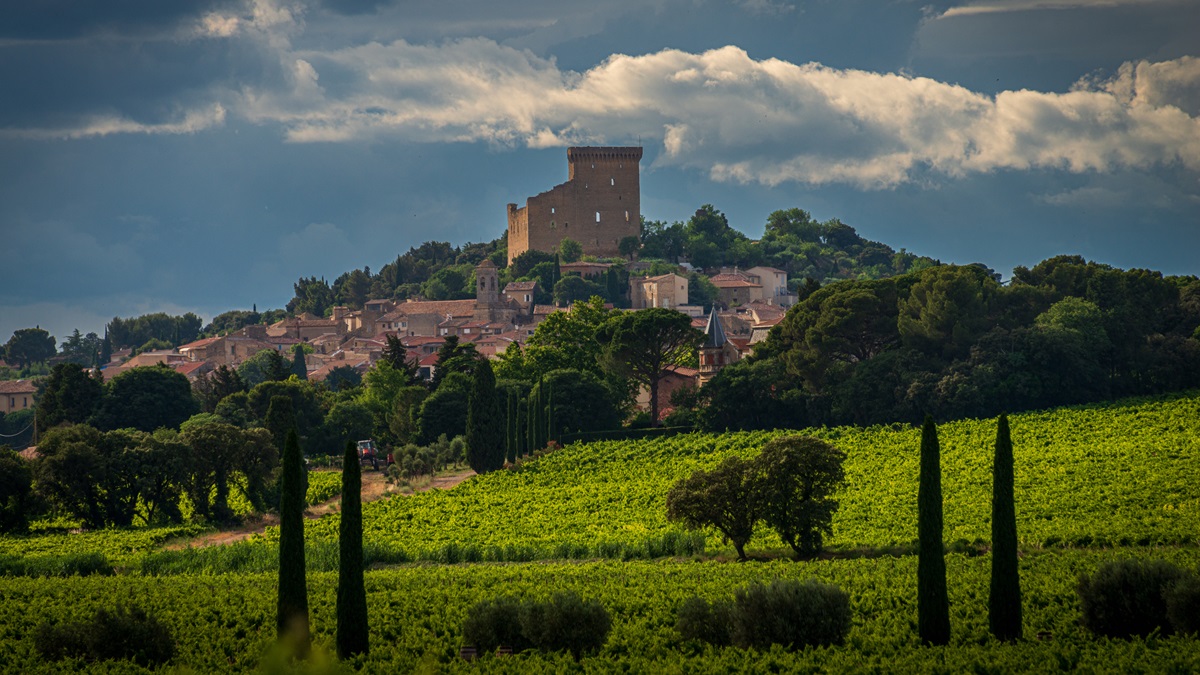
<point x="1183" y="605"/>
<point x="495" y="623"/>
<point x="566" y="623"/>
<point x="698" y="619"/>
<point x="790" y="613"/>
<point x="126" y="633"/>
<point x="1127" y="598"/>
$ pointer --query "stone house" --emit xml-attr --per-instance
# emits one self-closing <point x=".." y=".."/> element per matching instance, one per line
<point x="16" y="395"/>
<point x="666" y="290"/>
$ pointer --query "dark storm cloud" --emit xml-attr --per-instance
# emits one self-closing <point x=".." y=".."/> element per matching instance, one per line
<point x="1048" y="45"/>
<point x="72" y="19"/>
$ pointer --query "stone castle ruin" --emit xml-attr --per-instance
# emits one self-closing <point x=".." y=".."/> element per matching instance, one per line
<point x="599" y="205"/>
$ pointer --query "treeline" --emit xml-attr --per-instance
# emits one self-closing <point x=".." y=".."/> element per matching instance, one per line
<point x="792" y="240"/>
<point x="954" y="342"/>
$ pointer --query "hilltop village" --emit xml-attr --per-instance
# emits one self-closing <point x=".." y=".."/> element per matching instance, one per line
<point x="599" y="208"/>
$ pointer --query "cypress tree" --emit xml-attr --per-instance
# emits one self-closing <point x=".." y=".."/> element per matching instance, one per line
<point x="1004" y="602"/>
<point x="291" y="619"/>
<point x="485" y="445"/>
<point x="298" y="368"/>
<point x="281" y="418"/>
<point x="530" y="431"/>
<point x="352" y="629"/>
<point x="523" y="426"/>
<point x="510" y="438"/>
<point x="550" y="435"/>
<point x="933" y="604"/>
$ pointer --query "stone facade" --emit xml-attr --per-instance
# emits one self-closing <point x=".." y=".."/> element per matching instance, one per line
<point x="665" y="290"/>
<point x="599" y="205"/>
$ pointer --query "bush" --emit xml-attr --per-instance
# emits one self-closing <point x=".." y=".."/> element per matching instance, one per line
<point x="790" y="613"/>
<point x="697" y="619"/>
<point x="1183" y="605"/>
<point x="495" y="623"/>
<point x="566" y="622"/>
<point x="127" y="633"/>
<point x="1127" y="598"/>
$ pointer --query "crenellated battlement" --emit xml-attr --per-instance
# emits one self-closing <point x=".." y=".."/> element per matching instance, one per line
<point x="599" y="205"/>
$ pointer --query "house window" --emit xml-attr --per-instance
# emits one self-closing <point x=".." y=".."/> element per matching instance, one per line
<point x="526" y="297"/>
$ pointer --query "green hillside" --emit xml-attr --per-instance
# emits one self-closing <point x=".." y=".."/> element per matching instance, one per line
<point x="1124" y="473"/>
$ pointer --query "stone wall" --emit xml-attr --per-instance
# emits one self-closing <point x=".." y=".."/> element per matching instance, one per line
<point x="599" y="205"/>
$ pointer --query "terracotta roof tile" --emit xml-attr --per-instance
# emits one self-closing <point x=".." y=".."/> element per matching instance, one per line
<point x="17" y="387"/>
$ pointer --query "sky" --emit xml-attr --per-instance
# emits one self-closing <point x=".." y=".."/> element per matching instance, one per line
<point x="203" y="155"/>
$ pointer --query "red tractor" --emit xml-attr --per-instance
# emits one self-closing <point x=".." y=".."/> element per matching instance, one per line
<point x="368" y="455"/>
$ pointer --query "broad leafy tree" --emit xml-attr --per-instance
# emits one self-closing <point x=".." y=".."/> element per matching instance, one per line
<point x="267" y="365"/>
<point x="16" y="491"/>
<point x="445" y="411"/>
<point x="146" y="398"/>
<point x="727" y="498"/>
<point x="799" y="477"/>
<point x="71" y="396"/>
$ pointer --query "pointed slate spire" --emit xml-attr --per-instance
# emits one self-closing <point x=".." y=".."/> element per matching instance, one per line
<point x="715" y="335"/>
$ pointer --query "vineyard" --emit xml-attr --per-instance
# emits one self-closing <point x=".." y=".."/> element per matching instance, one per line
<point x="1099" y="475"/>
<point x="1093" y="484"/>
<point x="226" y="623"/>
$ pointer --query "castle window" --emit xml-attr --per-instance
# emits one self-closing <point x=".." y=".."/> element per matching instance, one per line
<point x="627" y="216"/>
<point x="551" y="210"/>
<point x="597" y="216"/>
<point x="552" y="225"/>
<point x="612" y="181"/>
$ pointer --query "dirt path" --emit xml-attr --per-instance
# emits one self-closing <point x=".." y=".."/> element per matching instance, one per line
<point x="374" y="486"/>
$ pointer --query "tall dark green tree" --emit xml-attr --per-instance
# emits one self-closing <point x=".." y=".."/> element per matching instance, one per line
<point x="510" y="436"/>
<point x="71" y="396"/>
<point x="281" y="418"/>
<point x="298" y="368"/>
<point x="933" y="604"/>
<point x="1004" y="602"/>
<point x="291" y="618"/>
<point x="485" y="441"/>
<point x="352" y="629"/>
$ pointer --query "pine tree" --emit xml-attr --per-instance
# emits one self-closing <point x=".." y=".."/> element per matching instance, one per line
<point x="933" y="604"/>
<point x="291" y="619"/>
<point x="1004" y="602"/>
<point x="352" y="629"/>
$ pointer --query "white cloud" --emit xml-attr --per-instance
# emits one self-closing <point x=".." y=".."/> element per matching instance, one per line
<point x="190" y="122"/>
<point x="741" y="119"/>
<point x="999" y="6"/>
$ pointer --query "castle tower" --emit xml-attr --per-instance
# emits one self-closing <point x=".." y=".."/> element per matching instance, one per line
<point x="599" y="205"/>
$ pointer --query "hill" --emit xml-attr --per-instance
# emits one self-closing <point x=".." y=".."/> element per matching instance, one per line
<point x="1113" y="474"/>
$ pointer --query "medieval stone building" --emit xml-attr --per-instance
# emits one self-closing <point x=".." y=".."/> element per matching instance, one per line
<point x="599" y="205"/>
